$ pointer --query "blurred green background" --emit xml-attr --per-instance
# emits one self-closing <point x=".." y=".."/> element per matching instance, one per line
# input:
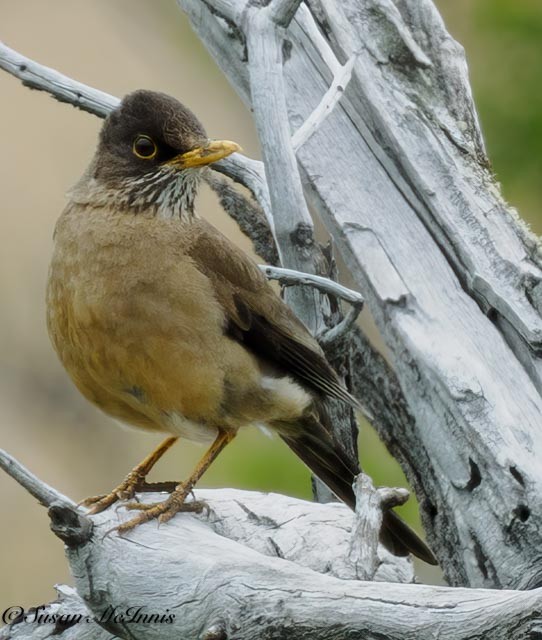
<point x="118" y="46"/>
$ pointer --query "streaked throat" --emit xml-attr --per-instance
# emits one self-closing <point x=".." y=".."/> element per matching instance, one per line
<point x="169" y="192"/>
<point x="166" y="192"/>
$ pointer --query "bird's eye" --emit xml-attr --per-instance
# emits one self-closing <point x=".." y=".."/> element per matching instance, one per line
<point x="144" y="147"/>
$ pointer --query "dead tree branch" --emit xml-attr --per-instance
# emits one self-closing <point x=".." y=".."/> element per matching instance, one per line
<point x="254" y="566"/>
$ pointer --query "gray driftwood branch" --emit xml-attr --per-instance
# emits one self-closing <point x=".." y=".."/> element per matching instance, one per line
<point x="254" y="566"/>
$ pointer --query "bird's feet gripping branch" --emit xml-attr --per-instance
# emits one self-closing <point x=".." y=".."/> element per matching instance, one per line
<point x="134" y="482"/>
<point x="174" y="503"/>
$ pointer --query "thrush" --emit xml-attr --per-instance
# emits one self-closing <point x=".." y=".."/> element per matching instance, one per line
<point x="166" y="325"/>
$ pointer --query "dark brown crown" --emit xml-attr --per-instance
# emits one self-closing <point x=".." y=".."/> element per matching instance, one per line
<point x="157" y="115"/>
<point x="173" y="127"/>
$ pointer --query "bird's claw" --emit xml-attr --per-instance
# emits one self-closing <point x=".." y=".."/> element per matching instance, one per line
<point x="126" y="490"/>
<point x="161" y="511"/>
<point x="97" y="504"/>
<point x="91" y="500"/>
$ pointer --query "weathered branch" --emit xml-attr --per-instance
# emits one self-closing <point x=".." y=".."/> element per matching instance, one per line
<point x="251" y="174"/>
<point x="265" y="612"/>
<point x="343" y="330"/>
<point x="44" y="494"/>
<point x="283" y="11"/>
<point x="258" y="566"/>
<point x="370" y="505"/>
<point x="289" y="277"/>
<point x="248" y="214"/>
<point x="293" y="224"/>
<point x="64" y="89"/>
<point x="325" y="106"/>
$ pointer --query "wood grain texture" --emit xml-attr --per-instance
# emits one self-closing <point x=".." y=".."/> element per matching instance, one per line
<point x="266" y="567"/>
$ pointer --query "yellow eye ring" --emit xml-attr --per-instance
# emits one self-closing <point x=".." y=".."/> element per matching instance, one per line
<point x="144" y="147"/>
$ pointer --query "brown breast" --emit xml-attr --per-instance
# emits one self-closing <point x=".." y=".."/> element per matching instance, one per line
<point x="135" y="324"/>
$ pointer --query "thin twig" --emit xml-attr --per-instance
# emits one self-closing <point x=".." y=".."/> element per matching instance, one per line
<point x="325" y="106"/>
<point x="308" y="24"/>
<point x="331" y="336"/>
<point x="251" y="174"/>
<point x="290" y="277"/>
<point x="46" y="495"/>
<point x="64" y="89"/>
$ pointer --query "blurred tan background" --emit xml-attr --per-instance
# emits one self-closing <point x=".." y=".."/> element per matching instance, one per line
<point x="118" y="46"/>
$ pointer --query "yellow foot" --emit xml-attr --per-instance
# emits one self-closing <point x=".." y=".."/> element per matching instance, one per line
<point x="133" y="483"/>
<point x="163" y="511"/>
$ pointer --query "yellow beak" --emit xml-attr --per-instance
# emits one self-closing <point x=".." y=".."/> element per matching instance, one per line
<point x="200" y="156"/>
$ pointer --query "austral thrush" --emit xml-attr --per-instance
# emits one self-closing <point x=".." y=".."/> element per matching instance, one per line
<point x="166" y="325"/>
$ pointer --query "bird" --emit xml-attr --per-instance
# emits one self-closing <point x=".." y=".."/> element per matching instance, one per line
<point x="166" y="325"/>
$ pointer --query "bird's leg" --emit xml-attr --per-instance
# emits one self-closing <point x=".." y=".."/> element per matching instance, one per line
<point x="134" y="481"/>
<point x="165" y="510"/>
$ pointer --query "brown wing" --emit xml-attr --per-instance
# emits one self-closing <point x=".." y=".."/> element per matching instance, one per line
<point x="259" y="318"/>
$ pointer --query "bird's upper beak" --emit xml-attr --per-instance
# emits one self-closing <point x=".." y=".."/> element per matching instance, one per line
<point x="200" y="156"/>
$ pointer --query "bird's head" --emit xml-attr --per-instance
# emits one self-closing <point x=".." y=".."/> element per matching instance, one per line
<point x="150" y="155"/>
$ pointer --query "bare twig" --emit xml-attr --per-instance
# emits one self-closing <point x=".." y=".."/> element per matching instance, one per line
<point x="251" y="174"/>
<point x="46" y="495"/>
<point x="290" y="277"/>
<point x="370" y="504"/>
<point x="330" y="337"/>
<point x="326" y="105"/>
<point x="64" y="89"/>
<point x="316" y="37"/>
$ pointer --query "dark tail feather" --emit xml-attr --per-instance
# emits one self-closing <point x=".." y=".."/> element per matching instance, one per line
<point x="312" y="443"/>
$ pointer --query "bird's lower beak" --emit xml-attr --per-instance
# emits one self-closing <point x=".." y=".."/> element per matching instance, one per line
<point x="200" y="156"/>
